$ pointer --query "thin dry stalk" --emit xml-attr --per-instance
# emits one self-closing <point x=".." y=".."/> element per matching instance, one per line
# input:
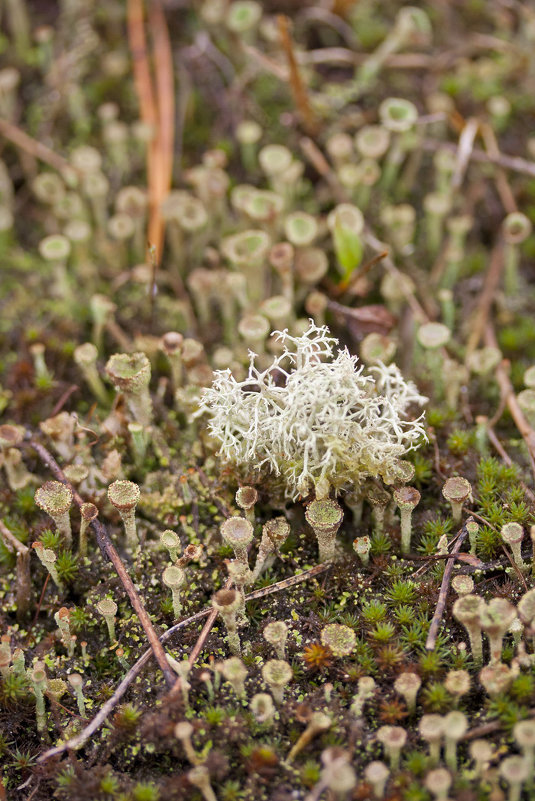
<point x="464" y="151"/>
<point x="497" y="445"/>
<point x="135" y="670"/>
<point x="486" y="298"/>
<point x="444" y="589"/>
<point x="162" y="161"/>
<point x="109" y="552"/>
<point x="33" y="147"/>
<point x="514" y="163"/>
<point x="297" y="85"/>
<point x="507" y="392"/>
<point x="502" y="185"/>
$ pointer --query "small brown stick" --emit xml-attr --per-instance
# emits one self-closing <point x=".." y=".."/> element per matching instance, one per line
<point x="299" y="90"/>
<point x="502" y="185"/>
<point x="33" y="147"/>
<point x="316" y="158"/>
<point x="111" y="703"/>
<point x="507" y="391"/>
<point x="444" y="588"/>
<point x="495" y="442"/>
<point x="514" y="163"/>
<point x="64" y="398"/>
<point x="107" y="548"/>
<point x="38" y="609"/>
<point x="137" y="41"/>
<point x="196" y="650"/>
<point x="162" y="144"/>
<point x="487" y="296"/>
<point x="23" y="583"/>
<point x="261" y="593"/>
<point x="464" y="151"/>
<point x="136" y="669"/>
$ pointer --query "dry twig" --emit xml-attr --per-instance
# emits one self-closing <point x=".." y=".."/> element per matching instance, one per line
<point x="297" y="85"/>
<point x="21" y="139"/>
<point x="514" y="163"/>
<point x="135" y="670"/>
<point x="507" y="391"/>
<point x="444" y="587"/>
<point x="108" y="550"/>
<point x="486" y="297"/>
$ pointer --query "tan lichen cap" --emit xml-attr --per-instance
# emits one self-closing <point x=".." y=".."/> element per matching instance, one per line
<point x="433" y="335"/>
<point x="340" y="640"/>
<point x="226" y="601"/>
<point x="277" y="672"/>
<point x="468" y="609"/>
<point x="407" y="497"/>
<point x="324" y="516"/>
<point x="124" y="495"/>
<point x="172" y="342"/>
<point x="89" y="511"/>
<point x="54" y="498"/>
<point x="526" y="607"/>
<point x="107" y="607"/>
<point x="129" y="372"/>
<point x="511" y="533"/>
<point x="457" y="489"/>
<point x="10" y="436"/>
<point x="246" y="497"/>
<point x="86" y="354"/>
<point x="237" y="531"/>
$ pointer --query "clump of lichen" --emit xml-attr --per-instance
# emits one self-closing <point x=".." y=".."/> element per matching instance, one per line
<point x="315" y="417"/>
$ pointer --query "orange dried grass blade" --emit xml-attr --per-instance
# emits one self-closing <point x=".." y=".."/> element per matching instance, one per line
<point x="297" y="84"/>
<point x="143" y="83"/>
<point x="165" y="101"/>
<point x="157" y="104"/>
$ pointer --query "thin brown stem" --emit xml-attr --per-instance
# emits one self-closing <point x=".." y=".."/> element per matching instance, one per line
<point x="444" y="588"/>
<point x="514" y="163"/>
<point x="21" y="140"/>
<point x="297" y="85"/>
<point x="135" y="670"/>
<point x="107" y="548"/>
<point x="487" y="296"/>
<point x="507" y="391"/>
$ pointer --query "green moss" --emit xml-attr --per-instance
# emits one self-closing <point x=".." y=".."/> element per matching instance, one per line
<point x="401" y="592"/>
<point x="435" y="698"/>
<point x="460" y="441"/>
<point x="383" y="632"/>
<point x="374" y="611"/>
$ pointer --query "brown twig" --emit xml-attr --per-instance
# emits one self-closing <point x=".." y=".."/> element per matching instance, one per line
<point x="464" y="151"/>
<point x="23" y="583"/>
<point x="33" y="147"/>
<point x="145" y="92"/>
<point x="502" y="185"/>
<point x="135" y="670"/>
<point x="162" y="144"/>
<point x="506" y="388"/>
<point x="64" y="398"/>
<point x="107" y="548"/>
<point x="297" y="85"/>
<point x="495" y="442"/>
<point x="316" y="158"/>
<point x="514" y="163"/>
<point x="261" y="593"/>
<point x="444" y="588"/>
<point x="486" y="297"/>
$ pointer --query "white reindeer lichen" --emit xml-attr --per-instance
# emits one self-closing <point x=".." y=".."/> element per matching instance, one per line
<point x="313" y="417"/>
